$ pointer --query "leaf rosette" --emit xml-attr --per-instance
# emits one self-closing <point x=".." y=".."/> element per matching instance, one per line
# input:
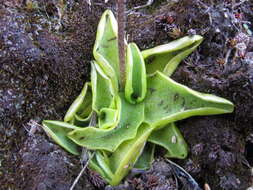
<point x="131" y="122"/>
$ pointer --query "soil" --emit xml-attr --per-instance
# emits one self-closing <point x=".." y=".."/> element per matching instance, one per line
<point x="45" y="54"/>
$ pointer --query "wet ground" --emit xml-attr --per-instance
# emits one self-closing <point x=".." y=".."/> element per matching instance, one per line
<point x="45" y="53"/>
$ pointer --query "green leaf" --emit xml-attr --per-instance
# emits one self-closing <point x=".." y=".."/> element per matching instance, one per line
<point x="103" y="162"/>
<point x="171" y="139"/>
<point x="165" y="58"/>
<point x="168" y="101"/>
<point x="105" y="50"/>
<point x="136" y="81"/>
<point x="102" y="90"/>
<point x="108" y="118"/>
<point x="82" y="104"/>
<point x="58" y="131"/>
<point x="94" y="165"/>
<point x="146" y="158"/>
<point x="81" y="122"/>
<point x="126" y="155"/>
<point x="131" y="117"/>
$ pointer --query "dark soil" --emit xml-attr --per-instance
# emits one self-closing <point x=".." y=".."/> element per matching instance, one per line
<point x="45" y="53"/>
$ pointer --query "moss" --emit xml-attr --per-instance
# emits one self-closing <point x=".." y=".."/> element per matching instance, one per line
<point x="44" y="61"/>
<point x="42" y="70"/>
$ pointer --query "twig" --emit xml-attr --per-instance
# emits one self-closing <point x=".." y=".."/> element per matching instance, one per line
<point x="34" y="126"/>
<point x="84" y="155"/>
<point x="207" y="187"/>
<point x="85" y="159"/>
<point x="150" y="2"/>
<point x="182" y="174"/>
<point x="207" y="11"/>
<point x="121" y="42"/>
<point x="89" y="3"/>
<point x="81" y="173"/>
<point x="227" y="56"/>
<point x="238" y="4"/>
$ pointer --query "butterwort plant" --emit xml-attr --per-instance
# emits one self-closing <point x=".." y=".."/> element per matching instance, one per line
<point x="131" y="120"/>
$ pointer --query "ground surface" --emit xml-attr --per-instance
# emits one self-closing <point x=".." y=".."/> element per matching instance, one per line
<point x="45" y="51"/>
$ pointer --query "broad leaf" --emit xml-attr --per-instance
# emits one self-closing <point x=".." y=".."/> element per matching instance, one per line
<point x="82" y="104"/>
<point x="126" y="155"/>
<point x="108" y="118"/>
<point x="102" y="90"/>
<point x="168" y="101"/>
<point x="94" y="165"/>
<point x="131" y="117"/>
<point x="171" y="139"/>
<point x="165" y="58"/>
<point x="136" y="81"/>
<point x="103" y="162"/>
<point x="105" y="49"/>
<point x="146" y="158"/>
<point x="81" y="122"/>
<point x="58" y="131"/>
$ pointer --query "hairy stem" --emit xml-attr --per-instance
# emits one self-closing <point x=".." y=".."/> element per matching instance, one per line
<point x="121" y="43"/>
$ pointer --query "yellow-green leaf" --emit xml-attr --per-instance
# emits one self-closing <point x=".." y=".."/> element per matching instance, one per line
<point x="58" y="131"/>
<point x="131" y="117"/>
<point x="108" y="118"/>
<point x="136" y="81"/>
<point x="105" y="49"/>
<point x="146" y="158"/>
<point x="165" y="58"/>
<point x="168" y="101"/>
<point x="103" y="94"/>
<point x="82" y="104"/>
<point x="170" y="138"/>
<point x="126" y="155"/>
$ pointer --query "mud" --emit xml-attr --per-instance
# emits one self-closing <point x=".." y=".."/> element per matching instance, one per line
<point x="45" y="54"/>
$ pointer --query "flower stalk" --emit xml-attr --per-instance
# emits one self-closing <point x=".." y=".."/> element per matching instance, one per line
<point x="121" y="43"/>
